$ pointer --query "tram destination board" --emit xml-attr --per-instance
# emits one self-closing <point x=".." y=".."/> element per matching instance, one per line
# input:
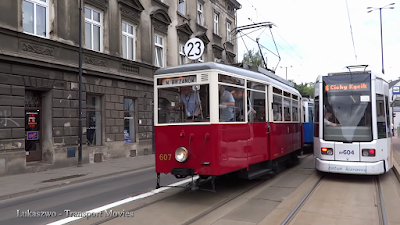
<point x="178" y="80"/>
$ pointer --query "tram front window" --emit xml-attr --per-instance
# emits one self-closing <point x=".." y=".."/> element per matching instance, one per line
<point x="183" y="104"/>
<point x="347" y="108"/>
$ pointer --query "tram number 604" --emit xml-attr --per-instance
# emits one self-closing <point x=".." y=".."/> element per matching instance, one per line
<point x="165" y="157"/>
<point x="347" y="152"/>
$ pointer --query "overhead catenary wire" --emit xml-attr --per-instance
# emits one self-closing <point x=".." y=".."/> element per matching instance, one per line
<point x="351" y="31"/>
<point x="278" y="34"/>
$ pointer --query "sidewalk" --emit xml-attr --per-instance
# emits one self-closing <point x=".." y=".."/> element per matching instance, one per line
<point x="396" y="156"/>
<point x="18" y="185"/>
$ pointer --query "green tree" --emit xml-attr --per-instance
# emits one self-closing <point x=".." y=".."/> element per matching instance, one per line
<point x="253" y="58"/>
<point x="304" y="88"/>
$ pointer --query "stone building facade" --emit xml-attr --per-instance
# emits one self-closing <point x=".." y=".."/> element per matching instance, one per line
<point x="124" y="42"/>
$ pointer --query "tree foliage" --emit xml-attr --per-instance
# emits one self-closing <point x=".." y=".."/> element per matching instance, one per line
<point x="253" y="58"/>
<point x="305" y="89"/>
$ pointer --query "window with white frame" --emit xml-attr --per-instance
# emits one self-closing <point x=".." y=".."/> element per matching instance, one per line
<point x="228" y="31"/>
<point x="182" y="56"/>
<point x="128" y="41"/>
<point x="200" y="15"/>
<point x="216" y="23"/>
<point x="93" y="28"/>
<point x="182" y="6"/>
<point x="35" y="17"/>
<point x="159" y="50"/>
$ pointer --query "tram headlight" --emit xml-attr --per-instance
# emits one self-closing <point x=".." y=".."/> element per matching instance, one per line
<point x="181" y="154"/>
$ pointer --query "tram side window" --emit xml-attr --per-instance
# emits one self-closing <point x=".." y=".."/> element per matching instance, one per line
<point x="256" y="106"/>
<point x="380" y="116"/>
<point x="316" y="109"/>
<point x="277" y="107"/>
<point x="184" y="104"/>
<point x="231" y="104"/>
<point x="310" y="113"/>
<point x="390" y="131"/>
<point x="286" y="109"/>
<point x="295" y="106"/>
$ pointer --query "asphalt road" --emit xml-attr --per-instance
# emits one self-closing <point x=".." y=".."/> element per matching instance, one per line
<point x="80" y="197"/>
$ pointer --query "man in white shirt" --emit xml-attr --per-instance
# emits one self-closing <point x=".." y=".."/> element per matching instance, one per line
<point x="328" y="115"/>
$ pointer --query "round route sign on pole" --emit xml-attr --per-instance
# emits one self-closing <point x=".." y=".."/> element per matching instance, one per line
<point x="194" y="48"/>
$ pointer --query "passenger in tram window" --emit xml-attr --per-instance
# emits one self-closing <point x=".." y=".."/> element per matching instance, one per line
<point x="328" y="115"/>
<point x="226" y="105"/>
<point x="277" y="116"/>
<point x="190" y="100"/>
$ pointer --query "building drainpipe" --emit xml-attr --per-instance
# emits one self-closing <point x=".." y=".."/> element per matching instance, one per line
<point x="153" y="149"/>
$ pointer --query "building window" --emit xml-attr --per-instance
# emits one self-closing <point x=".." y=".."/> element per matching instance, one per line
<point x="182" y="7"/>
<point x="93" y="120"/>
<point x="129" y="120"/>
<point x="35" y="17"/>
<point x="228" y="31"/>
<point x="93" y="29"/>
<point x="182" y="56"/>
<point x="216" y="23"/>
<point x="159" y="50"/>
<point x="200" y="16"/>
<point x="201" y="59"/>
<point x="128" y="41"/>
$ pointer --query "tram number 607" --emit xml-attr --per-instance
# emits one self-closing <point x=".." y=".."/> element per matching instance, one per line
<point x="347" y="152"/>
<point x="165" y="157"/>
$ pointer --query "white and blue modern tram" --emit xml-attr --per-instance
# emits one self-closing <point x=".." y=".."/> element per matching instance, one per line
<point x="352" y="130"/>
<point x="308" y="122"/>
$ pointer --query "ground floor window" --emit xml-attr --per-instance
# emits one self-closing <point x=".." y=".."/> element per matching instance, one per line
<point x="93" y="120"/>
<point x="129" y="120"/>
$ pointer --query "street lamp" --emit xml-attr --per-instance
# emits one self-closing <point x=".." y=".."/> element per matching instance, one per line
<point x="380" y="14"/>
<point x="286" y="69"/>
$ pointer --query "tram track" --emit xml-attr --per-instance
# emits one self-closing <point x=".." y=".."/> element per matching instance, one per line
<point x="203" y="214"/>
<point x="379" y="202"/>
<point x="226" y="201"/>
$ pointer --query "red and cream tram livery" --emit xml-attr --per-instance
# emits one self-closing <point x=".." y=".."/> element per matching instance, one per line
<point x="213" y="119"/>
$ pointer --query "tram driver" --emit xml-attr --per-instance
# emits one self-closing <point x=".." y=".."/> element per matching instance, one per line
<point x="190" y="100"/>
<point x="226" y="105"/>
<point x="328" y="115"/>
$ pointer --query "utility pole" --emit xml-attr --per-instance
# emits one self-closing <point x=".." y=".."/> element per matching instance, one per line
<point x="380" y="16"/>
<point x="80" y="87"/>
<point x="286" y="69"/>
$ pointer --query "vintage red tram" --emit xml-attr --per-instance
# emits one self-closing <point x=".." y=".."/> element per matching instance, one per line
<point x="213" y="119"/>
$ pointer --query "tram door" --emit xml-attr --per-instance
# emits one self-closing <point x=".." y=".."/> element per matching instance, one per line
<point x="32" y="126"/>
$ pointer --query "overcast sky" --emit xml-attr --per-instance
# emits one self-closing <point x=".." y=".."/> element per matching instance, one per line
<point x="314" y="37"/>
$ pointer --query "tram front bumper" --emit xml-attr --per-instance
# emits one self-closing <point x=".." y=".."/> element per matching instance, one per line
<point x="371" y="168"/>
<point x="182" y="172"/>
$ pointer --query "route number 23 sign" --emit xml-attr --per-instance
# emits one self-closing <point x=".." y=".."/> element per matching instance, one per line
<point x="194" y="48"/>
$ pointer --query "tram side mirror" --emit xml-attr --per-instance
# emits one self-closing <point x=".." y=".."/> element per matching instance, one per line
<point x="196" y="87"/>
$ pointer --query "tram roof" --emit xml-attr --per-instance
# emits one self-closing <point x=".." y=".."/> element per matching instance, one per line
<point x="375" y="74"/>
<point x="226" y="68"/>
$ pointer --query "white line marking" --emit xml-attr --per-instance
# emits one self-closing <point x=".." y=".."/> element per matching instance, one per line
<point x="124" y="201"/>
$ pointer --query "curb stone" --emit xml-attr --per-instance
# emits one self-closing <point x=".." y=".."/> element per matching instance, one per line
<point x="66" y="183"/>
<point x="396" y="169"/>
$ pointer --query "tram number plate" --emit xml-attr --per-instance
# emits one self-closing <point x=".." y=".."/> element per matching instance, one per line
<point x="165" y="157"/>
<point x="347" y="152"/>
